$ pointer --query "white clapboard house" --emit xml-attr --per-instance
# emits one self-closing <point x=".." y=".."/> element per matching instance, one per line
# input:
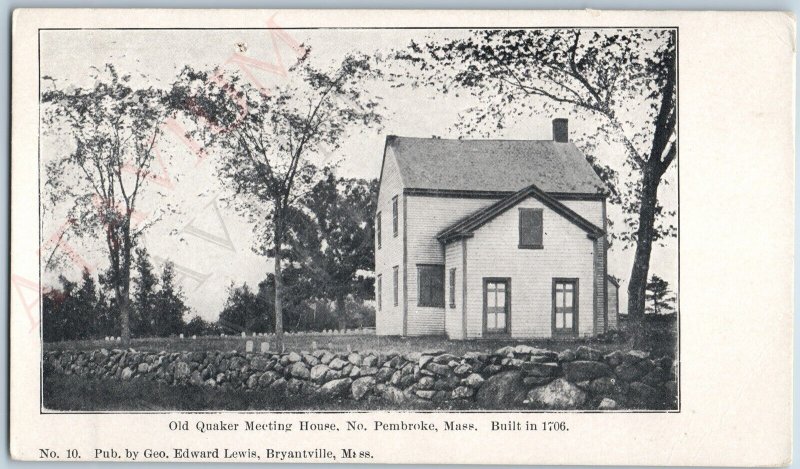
<point x="485" y="238"/>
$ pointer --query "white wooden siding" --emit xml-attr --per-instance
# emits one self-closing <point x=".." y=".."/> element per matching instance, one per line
<point x="427" y="216"/>
<point x="613" y="306"/>
<point x="389" y="320"/>
<point x="454" y="319"/>
<point x="494" y="252"/>
<point x="591" y="210"/>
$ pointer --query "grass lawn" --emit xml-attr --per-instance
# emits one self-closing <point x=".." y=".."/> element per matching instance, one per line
<point x="660" y="340"/>
<point x="334" y="343"/>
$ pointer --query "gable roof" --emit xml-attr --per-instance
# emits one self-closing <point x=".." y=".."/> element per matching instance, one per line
<point x="493" y="165"/>
<point x="465" y="227"/>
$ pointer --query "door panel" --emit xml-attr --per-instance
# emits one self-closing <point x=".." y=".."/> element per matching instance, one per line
<point x="496" y="306"/>
<point x="565" y="307"/>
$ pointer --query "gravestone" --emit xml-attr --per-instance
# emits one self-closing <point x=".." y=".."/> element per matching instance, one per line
<point x="244" y="334"/>
<point x="194" y="337"/>
<point x="248" y="346"/>
<point x="181" y="336"/>
<point x="264" y="347"/>
<point x="313" y="345"/>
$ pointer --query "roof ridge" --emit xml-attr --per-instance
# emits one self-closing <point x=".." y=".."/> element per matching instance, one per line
<point x="393" y="137"/>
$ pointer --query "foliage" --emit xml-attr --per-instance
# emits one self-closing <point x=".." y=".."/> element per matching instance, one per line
<point x="197" y="326"/>
<point x="68" y="312"/>
<point x="84" y="311"/>
<point x="109" y="134"/>
<point x="334" y="246"/>
<point x="271" y="145"/>
<point x="660" y="297"/>
<point x="248" y="311"/>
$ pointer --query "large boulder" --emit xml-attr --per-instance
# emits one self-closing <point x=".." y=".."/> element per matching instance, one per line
<point x="439" y="369"/>
<point x="604" y="386"/>
<point x="560" y="394"/>
<point x="336" y="388"/>
<point x="318" y="372"/>
<point x="474" y="380"/>
<point x="588" y="353"/>
<point x="540" y="369"/>
<point x="337" y="364"/>
<point x="361" y="387"/>
<point x="127" y="374"/>
<point x="503" y="390"/>
<point x="394" y="395"/>
<point x="643" y="396"/>
<point x="182" y="370"/>
<point x="585" y="370"/>
<point x="607" y="404"/>
<point x="299" y="370"/>
<point x="463" y="392"/>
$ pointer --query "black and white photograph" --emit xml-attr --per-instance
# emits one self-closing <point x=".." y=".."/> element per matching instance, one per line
<point x="359" y="219"/>
<point x="485" y="237"/>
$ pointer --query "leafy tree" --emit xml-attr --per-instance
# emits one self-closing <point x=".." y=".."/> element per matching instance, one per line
<point x="660" y="297"/>
<point x="110" y="131"/>
<point x="144" y="311"/>
<point x="69" y="312"/>
<point x="169" y="305"/>
<point x="199" y="326"/>
<point x="270" y="146"/>
<point x="335" y="246"/>
<point x="248" y="311"/>
<point x="624" y="80"/>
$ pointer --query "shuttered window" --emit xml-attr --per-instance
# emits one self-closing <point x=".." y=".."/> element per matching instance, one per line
<point x="452" y="288"/>
<point x="394" y="216"/>
<point x="379" y="293"/>
<point x="378" y="229"/>
<point x="430" y="282"/>
<point x="395" y="281"/>
<point x="530" y="228"/>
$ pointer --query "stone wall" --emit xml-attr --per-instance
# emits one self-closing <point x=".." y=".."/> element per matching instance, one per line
<point x="512" y="377"/>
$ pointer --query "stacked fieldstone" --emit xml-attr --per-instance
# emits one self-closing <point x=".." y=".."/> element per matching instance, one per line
<point x="512" y="377"/>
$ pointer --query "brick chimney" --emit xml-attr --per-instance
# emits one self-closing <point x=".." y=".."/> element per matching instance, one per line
<point x="560" y="130"/>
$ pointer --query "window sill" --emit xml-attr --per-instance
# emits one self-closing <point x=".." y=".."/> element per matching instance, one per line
<point x="530" y="246"/>
<point x="452" y="306"/>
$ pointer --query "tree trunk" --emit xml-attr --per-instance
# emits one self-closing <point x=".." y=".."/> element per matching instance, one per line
<point x="124" y="318"/>
<point x="644" y="246"/>
<point x="341" y="312"/>
<point x="278" y="294"/>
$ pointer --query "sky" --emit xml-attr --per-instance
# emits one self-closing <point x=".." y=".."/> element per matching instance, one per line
<point x="195" y="227"/>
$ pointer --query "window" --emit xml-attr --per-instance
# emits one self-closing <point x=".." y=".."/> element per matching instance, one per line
<point x="378" y="229"/>
<point x="379" y="293"/>
<point x="394" y="216"/>
<point x="395" y="280"/>
<point x="530" y="228"/>
<point x="430" y="281"/>
<point x="452" y="288"/>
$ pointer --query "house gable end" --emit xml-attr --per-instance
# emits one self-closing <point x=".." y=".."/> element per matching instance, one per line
<point x="465" y="227"/>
